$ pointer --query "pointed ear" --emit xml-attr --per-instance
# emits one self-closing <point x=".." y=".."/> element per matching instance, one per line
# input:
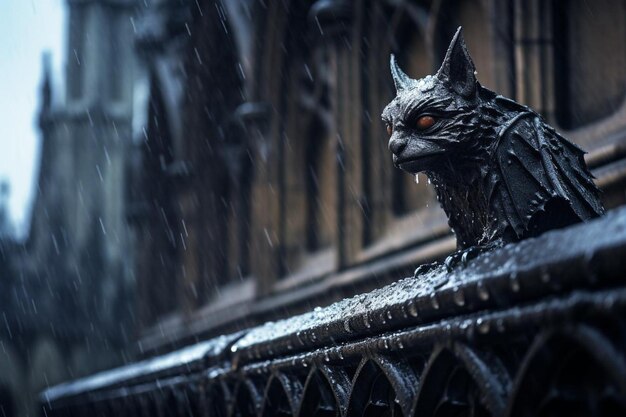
<point x="457" y="68"/>
<point x="400" y="79"/>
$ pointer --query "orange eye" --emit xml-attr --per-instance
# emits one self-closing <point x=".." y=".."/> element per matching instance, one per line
<point x="389" y="130"/>
<point x="425" y="122"/>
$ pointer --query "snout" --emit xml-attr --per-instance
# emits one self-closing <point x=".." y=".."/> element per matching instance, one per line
<point x="413" y="154"/>
<point x="397" y="145"/>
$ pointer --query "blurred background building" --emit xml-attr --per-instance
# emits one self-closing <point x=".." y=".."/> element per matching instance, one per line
<point x="217" y="164"/>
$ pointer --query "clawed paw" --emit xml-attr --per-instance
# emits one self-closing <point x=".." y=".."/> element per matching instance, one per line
<point x="462" y="258"/>
<point x="424" y="268"/>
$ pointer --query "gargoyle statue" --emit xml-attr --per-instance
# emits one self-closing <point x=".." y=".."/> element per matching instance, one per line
<point x="501" y="173"/>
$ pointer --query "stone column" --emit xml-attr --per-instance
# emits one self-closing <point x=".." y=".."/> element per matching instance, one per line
<point x="534" y="55"/>
<point x="339" y="23"/>
<point x="255" y="119"/>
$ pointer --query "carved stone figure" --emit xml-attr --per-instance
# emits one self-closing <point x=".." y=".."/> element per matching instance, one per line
<point x="501" y="173"/>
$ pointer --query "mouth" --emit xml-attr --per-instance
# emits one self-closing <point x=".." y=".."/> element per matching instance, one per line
<point x="415" y="164"/>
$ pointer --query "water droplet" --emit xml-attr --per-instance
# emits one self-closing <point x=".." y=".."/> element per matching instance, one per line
<point x="483" y="292"/>
<point x="459" y="296"/>
<point x="366" y="321"/>
<point x="434" y="302"/>
<point x="500" y="325"/>
<point x="413" y="310"/>
<point x="483" y="326"/>
<point x="346" y="326"/>
<point x="389" y="315"/>
<point x="326" y="357"/>
<point x="515" y="287"/>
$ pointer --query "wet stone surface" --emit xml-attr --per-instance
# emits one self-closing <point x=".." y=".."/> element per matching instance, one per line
<point x="496" y="286"/>
<point x="554" y="262"/>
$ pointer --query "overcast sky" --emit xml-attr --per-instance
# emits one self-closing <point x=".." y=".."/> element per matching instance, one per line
<point x="27" y="28"/>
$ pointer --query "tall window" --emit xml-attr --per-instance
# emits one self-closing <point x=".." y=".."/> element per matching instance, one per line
<point x="590" y="59"/>
<point x="117" y="55"/>
<point x="320" y="187"/>
<point x="76" y="61"/>
<point x="407" y="196"/>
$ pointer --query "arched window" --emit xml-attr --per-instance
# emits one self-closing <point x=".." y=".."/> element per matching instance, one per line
<point x="78" y="43"/>
<point x="321" y="188"/>
<point x="589" y="60"/>
<point x="410" y="193"/>
<point x="474" y="18"/>
<point x="7" y="404"/>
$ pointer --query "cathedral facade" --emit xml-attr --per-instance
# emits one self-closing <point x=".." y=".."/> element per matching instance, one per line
<point x="216" y="165"/>
<point x="67" y="302"/>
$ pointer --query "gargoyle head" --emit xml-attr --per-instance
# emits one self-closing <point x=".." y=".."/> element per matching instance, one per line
<point x="431" y="121"/>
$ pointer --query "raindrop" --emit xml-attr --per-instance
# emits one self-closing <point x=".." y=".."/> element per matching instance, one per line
<point x="515" y="287"/>
<point x="413" y="310"/>
<point x="434" y="301"/>
<point x="389" y="315"/>
<point x="366" y="321"/>
<point x="346" y="326"/>
<point x="459" y="296"/>
<point x="483" y="292"/>
<point x="500" y="325"/>
<point x="483" y="326"/>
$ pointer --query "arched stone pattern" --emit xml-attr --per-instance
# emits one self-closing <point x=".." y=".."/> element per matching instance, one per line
<point x="219" y="398"/>
<point x="382" y="386"/>
<point x="248" y="399"/>
<point x="550" y="382"/>
<point x="11" y="381"/>
<point x="8" y="406"/>
<point x="457" y="381"/>
<point x="282" y="396"/>
<point x="326" y="393"/>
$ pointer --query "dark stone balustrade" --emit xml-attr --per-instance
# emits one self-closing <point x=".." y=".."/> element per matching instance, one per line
<point x="536" y="328"/>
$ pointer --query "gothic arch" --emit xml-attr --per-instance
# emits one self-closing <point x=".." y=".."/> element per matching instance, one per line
<point x="382" y="386"/>
<point x="460" y="381"/>
<point x="326" y="393"/>
<point x="11" y="382"/>
<point x="282" y="396"/>
<point x="248" y="399"/>
<point x="575" y="371"/>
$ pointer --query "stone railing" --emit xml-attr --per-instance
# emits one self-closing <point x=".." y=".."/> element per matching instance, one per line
<point x="536" y="328"/>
